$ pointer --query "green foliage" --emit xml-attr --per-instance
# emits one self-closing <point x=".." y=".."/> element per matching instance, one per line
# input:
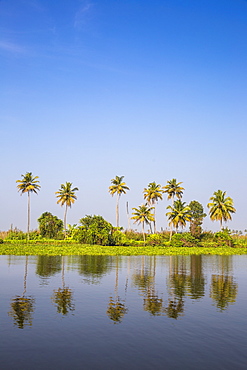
<point x="1" y="241"/>
<point x="50" y="226"/>
<point x="224" y="238"/>
<point x="157" y="239"/>
<point x="133" y="235"/>
<point x="197" y="215"/>
<point x="94" y="230"/>
<point x="69" y="247"/>
<point x="183" y="240"/>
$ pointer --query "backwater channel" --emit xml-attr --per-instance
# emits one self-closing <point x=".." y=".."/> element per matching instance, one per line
<point x="123" y="312"/>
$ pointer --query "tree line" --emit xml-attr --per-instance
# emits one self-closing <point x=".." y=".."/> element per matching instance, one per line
<point x="178" y="213"/>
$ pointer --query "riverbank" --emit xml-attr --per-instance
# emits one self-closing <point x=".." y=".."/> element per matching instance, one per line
<point x="66" y="249"/>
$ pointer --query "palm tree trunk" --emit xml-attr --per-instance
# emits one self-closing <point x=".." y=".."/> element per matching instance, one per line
<point x="28" y="214"/>
<point x="170" y="231"/>
<point x="154" y="221"/>
<point x="117" y="210"/>
<point x="143" y="233"/>
<point x="64" y="222"/>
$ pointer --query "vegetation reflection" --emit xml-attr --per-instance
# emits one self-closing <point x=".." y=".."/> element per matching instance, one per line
<point x="22" y="306"/>
<point x="116" y="306"/>
<point x="223" y="287"/>
<point x="63" y="297"/>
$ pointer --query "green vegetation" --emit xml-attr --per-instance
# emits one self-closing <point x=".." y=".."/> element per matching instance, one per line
<point x="50" y="226"/>
<point x="64" y="248"/>
<point x="96" y="236"/>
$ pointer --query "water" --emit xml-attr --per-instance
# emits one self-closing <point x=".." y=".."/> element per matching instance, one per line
<point x="97" y="312"/>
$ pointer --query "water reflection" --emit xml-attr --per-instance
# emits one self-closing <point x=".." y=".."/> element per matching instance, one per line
<point x="163" y="285"/>
<point x="48" y="266"/>
<point x="22" y="307"/>
<point x="224" y="289"/>
<point x="93" y="267"/>
<point x="63" y="297"/>
<point x="116" y="307"/>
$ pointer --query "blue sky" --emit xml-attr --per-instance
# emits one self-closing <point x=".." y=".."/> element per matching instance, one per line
<point x="151" y="90"/>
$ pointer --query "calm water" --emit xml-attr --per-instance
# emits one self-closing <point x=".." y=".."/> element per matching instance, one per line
<point x="94" y="312"/>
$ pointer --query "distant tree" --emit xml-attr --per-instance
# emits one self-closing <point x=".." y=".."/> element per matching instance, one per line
<point x="196" y="220"/>
<point x="66" y="195"/>
<point x="221" y="207"/>
<point x="173" y="189"/>
<point x="118" y="187"/>
<point x="94" y="230"/>
<point x="143" y="215"/>
<point x="178" y="215"/>
<point x="152" y="194"/>
<point x="49" y="225"/>
<point x="28" y="184"/>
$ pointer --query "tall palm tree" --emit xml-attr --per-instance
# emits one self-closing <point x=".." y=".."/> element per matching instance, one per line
<point x="66" y="195"/>
<point x="143" y="215"/>
<point x="220" y="208"/>
<point x="152" y="194"/>
<point x="178" y="215"/>
<point x="119" y="187"/>
<point x="28" y="184"/>
<point x="173" y="189"/>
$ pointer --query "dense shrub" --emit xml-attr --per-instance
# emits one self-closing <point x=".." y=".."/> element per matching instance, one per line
<point x="183" y="240"/>
<point x="50" y="226"/>
<point x="1" y="241"/>
<point x="224" y="239"/>
<point x="157" y="239"/>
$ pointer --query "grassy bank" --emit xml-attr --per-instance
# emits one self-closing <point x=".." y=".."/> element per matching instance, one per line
<point x="65" y="249"/>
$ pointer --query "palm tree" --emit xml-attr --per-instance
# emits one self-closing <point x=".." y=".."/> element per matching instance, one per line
<point x="221" y="207"/>
<point x="143" y="215"/>
<point x="119" y="187"/>
<point x="178" y="215"/>
<point x="173" y="189"/>
<point x="28" y="184"/>
<point x="152" y="194"/>
<point x="66" y="195"/>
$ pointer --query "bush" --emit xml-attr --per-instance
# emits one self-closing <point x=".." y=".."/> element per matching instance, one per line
<point x="224" y="239"/>
<point x="1" y="241"/>
<point x="183" y="240"/>
<point x="156" y="239"/>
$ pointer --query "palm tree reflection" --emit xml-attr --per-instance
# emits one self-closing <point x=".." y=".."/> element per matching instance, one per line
<point x="116" y="307"/>
<point x="22" y="306"/>
<point x="223" y="287"/>
<point x="63" y="297"/>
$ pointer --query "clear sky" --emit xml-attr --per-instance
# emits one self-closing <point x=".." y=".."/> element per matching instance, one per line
<point x="151" y="90"/>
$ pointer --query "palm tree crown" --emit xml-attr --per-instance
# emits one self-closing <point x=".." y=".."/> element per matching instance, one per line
<point x="152" y="194"/>
<point x="221" y="207"/>
<point x="28" y="184"/>
<point x="118" y="187"/>
<point x="173" y="189"/>
<point x="179" y="214"/>
<point x="143" y="215"/>
<point x="66" y="195"/>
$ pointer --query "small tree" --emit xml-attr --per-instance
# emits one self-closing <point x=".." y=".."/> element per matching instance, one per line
<point x="197" y="215"/>
<point x="49" y="225"/>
